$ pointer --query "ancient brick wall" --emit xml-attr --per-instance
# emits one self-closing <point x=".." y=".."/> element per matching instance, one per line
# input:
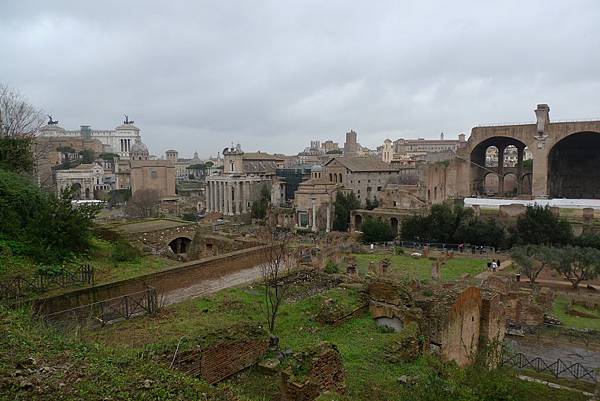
<point x="225" y="359"/>
<point x="493" y="318"/>
<point x="326" y="374"/>
<point x="168" y="281"/>
<point x="460" y="334"/>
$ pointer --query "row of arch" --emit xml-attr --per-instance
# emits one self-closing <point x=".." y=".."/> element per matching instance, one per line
<point x="498" y="169"/>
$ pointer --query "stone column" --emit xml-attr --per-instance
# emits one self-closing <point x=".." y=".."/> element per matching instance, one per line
<point x="328" y="227"/>
<point x="244" y="196"/>
<point x="237" y="199"/>
<point x="225" y="197"/>
<point x="208" y="196"/>
<point x="501" y="170"/>
<point x="221" y="198"/>
<point x="215" y="204"/>
<point x="229" y="198"/>
<point x="520" y="152"/>
<point x="314" y="215"/>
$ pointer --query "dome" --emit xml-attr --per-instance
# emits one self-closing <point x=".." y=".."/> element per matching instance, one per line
<point x="139" y="147"/>
<point x="139" y="151"/>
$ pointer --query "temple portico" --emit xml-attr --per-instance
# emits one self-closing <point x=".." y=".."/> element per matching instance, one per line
<point x="233" y="195"/>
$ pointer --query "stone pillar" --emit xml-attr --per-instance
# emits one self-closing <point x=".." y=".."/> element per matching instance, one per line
<point x="520" y="151"/>
<point x="245" y="185"/>
<point x="328" y="226"/>
<point x="222" y="193"/>
<point x="209" y="194"/>
<point x="237" y="199"/>
<point x="501" y="170"/>
<point x="215" y="205"/>
<point x="314" y="215"/>
<point x="230" y="197"/>
<point x="227" y="198"/>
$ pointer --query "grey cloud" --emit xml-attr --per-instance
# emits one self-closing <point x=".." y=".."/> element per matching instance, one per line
<point x="273" y="75"/>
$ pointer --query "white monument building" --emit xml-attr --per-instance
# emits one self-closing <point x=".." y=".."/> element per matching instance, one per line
<point x="118" y="141"/>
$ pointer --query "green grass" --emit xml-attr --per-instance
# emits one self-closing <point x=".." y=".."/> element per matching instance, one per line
<point x="107" y="269"/>
<point x="559" y="310"/>
<point x="360" y="341"/>
<point x="46" y="365"/>
<point x="420" y="268"/>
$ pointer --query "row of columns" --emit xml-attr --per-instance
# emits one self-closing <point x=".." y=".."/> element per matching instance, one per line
<point x="228" y="197"/>
<point x="314" y="227"/>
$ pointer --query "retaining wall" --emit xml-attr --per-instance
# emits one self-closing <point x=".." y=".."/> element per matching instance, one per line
<point x="164" y="281"/>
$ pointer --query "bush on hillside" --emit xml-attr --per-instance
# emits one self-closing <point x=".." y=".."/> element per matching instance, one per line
<point x="375" y="230"/>
<point x="42" y="225"/>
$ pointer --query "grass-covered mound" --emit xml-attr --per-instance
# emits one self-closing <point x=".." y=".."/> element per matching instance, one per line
<point x="39" y="363"/>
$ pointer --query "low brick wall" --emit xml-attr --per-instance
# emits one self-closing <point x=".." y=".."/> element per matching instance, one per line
<point x="164" y="281"/>
<point x="326" y="374"/>
<point x="223" y="360"/>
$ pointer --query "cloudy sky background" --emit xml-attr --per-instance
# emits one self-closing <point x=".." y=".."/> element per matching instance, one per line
<point x="272" y="75"/>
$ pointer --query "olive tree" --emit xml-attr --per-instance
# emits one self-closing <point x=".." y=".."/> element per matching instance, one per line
<point x="532" y="259"/>
<point x="577" y="264"/>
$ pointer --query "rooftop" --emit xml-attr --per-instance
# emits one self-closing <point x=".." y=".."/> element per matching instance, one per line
<point x="362" y="164"/>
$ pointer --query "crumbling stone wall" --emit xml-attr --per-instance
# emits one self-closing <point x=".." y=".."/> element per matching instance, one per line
<point x="222" y="355"/>
<point x="326" y="373"/>
<point x="204" y="245"/>
<point x="451" y="320"/>
<point x="225" y="359"/>
<point x="493" y="318"/>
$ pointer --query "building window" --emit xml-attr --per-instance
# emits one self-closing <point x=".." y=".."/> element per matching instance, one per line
<point x="378" y="189"/>
<point x="359" y="192"/>
<point x="368" y="189"/>
<point x="153" y="174"/>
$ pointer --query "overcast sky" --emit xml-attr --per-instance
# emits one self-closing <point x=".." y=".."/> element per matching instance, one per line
<point x="272" y="75"/>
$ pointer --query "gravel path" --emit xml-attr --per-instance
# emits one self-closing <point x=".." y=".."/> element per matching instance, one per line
<point x="211" y="286"/>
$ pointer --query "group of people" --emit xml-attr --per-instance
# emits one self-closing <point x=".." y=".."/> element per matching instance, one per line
<point x="493" y="265"/>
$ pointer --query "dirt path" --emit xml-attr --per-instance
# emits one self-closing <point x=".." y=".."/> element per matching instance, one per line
<point x="211" y="286"/>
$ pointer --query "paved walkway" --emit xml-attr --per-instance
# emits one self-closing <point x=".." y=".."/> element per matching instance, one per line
<point x="206" y="287"/>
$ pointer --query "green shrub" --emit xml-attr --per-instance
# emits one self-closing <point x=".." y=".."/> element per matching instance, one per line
<point x="399" y="250"/>
<point x="331" y="267"/>
<point x="189" y="217"/>
<point x="376" y="231"/>
<point x="42" y="225"/>
<point x="123" y="252"/>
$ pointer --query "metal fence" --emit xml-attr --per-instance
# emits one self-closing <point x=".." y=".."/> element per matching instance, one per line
<point x="19" y="287"/>
<point x="458" y="248"/>
<point x="107" y="311"/>
<point x="558" y="368"/>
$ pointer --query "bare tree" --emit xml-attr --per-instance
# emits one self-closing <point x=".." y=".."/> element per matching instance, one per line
<point x="276" y="266"/>
<point x="143" y="203"/>
<point x="18" y="118"/>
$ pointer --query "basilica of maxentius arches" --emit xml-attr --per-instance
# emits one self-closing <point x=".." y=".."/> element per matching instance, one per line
<point x="539" y="160"/>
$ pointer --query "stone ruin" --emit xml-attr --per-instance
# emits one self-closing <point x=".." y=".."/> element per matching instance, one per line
<point x="221" y="354"/>
<point x="313" y="372"/>
<point x="381" y="268"/>
<point x="523" y="306"/>
<point x="351" y="267"/>
<point x="452" y="317"/>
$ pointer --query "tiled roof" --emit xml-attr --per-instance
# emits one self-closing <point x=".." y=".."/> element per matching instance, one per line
<point x="261" y="156"/>
<point x="362" y="164"/>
